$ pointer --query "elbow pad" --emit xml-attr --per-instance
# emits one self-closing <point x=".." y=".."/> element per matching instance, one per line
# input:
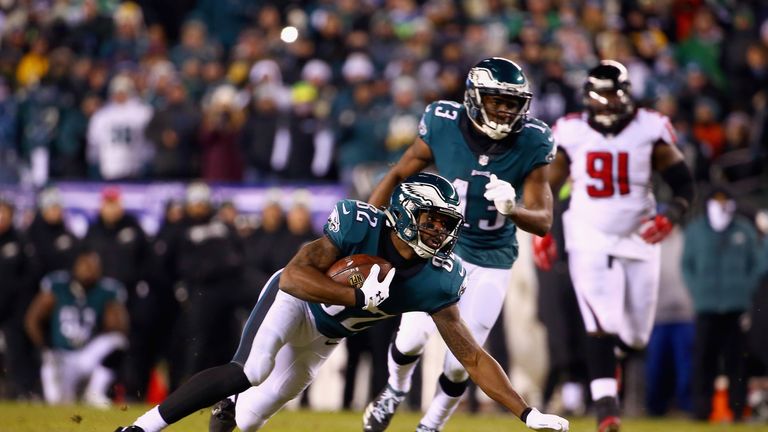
<point x="679" y="179"/>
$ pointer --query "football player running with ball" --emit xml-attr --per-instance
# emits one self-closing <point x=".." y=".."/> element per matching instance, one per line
<point x="612" y="229"/>
<point x="302" y="313"/>
<point x="498" y="159"/>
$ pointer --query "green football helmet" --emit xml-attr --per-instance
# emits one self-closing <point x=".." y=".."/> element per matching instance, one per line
<point x="497" y="76"/>
<point x="424" y="211"/>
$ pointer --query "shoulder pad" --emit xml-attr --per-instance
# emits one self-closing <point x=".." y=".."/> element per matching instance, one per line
<point x="350" y="221"/>
<point x="51" y="279"/>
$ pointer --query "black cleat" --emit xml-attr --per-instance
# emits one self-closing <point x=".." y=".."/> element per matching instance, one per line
<point x="422" y="428"/>
<point x="608" y="414"/>
<point x="222" y="416"/>
<point x="129" y="429"/>
<point x="380" y="411"/>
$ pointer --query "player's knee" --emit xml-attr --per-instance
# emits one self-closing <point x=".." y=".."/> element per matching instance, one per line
<point x="411" y="343"/>
<point x="258" y="366"/>
<point x="455" y="372"/>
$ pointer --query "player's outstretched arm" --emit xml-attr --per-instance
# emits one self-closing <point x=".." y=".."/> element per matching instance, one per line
<point x="304" y="277"/>
<point x="416" y="158"/>
<point x="487" y="373"/>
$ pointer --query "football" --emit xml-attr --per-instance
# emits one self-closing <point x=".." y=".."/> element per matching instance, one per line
<point x="353" y="270"/>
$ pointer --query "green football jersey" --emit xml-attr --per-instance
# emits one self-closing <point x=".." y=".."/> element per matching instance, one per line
<point x="488" y="237"/>
<point x="78" y="313"/>
<point x="356" y="227"/>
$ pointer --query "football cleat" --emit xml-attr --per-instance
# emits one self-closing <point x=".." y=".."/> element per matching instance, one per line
<point x="380" y="411"/>
<point x="222" y="417"/>
<point x="129" y="429"/>
<point x="422" y="428"/>
<point x="609" y="424"/>
<point x="608" y="412"/>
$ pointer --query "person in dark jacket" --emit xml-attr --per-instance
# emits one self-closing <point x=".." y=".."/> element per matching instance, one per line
<point x="209" y="262"/>
<point x="50" y="246"/>
<point x="121" y="244"/>
<point x="721" y="268"/>
<point x="14" y="292"/>
<point x="260" y="262"/>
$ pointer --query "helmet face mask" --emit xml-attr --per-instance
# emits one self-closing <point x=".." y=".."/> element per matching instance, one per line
<point x="497" y="97"/>
<point x="607" y="97"/>
<point x="424" y="212"/>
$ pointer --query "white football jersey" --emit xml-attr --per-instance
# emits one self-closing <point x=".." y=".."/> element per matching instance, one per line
<point x="116" y="140"/>
<point x="611" y="176"/>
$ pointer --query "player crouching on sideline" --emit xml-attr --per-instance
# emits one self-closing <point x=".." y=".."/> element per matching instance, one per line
<point x="303" y="314"/>
<point x="611" y="228"/>
<point x="79" y="321"/>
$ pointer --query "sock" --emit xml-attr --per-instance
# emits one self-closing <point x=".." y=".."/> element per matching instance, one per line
<point x="603" y="387"/>
<point x="573" y="397"/>
<point x="401" y="367"/>
<point x="446" y="400"/>
<point x="203" y="390"/>
<point x="151" y="421"/>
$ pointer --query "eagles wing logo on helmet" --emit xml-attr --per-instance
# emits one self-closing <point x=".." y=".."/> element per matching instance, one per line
<point x="425" y="192"/>
<point x="497" y="76"/>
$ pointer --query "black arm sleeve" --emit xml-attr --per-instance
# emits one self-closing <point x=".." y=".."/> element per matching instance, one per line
<point x="679" y="178"/>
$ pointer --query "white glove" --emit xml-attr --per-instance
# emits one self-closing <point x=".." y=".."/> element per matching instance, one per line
<point x="539" y="421"/>
<point x="502" y="194"/>
<point x="374" y="291"/>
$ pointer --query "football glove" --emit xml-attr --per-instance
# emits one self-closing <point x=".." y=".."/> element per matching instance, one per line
<point x="655" y="229"/>
<point x="544" y="251"/>
<point x="374" y="291"/>
<point x="539" y="421"/>
<point x="502" y="194"/>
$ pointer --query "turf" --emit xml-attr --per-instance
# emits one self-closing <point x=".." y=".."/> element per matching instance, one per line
<point x="33" y="418"/>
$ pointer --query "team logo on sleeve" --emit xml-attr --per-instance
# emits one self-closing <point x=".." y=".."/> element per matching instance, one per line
<point x="422" y="126"/>
<point x="463" y="287"/>
<point x="333" y="221"/>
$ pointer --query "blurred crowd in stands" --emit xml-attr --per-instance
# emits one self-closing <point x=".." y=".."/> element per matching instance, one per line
<point x="312" y="90"/>
<point x="264" y="92"/>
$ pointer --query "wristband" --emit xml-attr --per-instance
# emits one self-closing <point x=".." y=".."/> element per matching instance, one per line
<point x="359" y="298"/>
<point x="524" y="415"/>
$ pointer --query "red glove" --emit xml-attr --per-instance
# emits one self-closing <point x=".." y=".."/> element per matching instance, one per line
<point x="655" y="229"/>
<point x="544" y="251"/>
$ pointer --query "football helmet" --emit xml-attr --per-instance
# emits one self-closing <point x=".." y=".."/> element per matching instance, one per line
<point x="424" y="212"/>
<point x="504" y="79"/>
<point x="607" y="97"/>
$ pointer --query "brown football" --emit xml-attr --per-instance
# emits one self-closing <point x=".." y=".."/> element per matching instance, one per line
<point x="353" y="270"/>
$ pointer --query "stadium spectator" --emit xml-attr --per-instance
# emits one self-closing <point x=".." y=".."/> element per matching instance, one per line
<point x="117" y="145"/>
<point x="669" y="356"/>
<point x="260" y="262"/>
<point x="165" y="341"/>
<point x="721" y="267"/>
<point x="308" y="154"/>
<point x="69" y="148"/>
<point x="122" y="247"/>
<point x="218" y="137"/>
<point x="173" y="131"/>
<point x="79" y="323"/>
<point x="15" y="294"/>
<point x="50" y="246"/>
<point x="209" y="262"/>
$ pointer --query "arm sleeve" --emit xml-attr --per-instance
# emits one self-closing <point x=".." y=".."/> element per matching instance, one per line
<point x="680" y="180"/>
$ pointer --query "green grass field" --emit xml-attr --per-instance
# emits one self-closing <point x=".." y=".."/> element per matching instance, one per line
<point x="35" y="418"/>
